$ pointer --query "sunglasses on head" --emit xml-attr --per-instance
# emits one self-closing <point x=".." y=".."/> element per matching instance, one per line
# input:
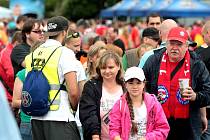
<point x="73" y="35"/>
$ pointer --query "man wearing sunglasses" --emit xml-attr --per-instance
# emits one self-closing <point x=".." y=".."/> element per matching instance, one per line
<point x="31" y="33"/>
<point x="73" y="41"/>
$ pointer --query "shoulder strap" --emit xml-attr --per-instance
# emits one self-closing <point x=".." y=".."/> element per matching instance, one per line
<point x="47" y="59"/>
<point x="57" y="92"/>
<point x="177" y="68"/>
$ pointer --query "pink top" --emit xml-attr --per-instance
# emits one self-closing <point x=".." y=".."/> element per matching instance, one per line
<point x="120" y="121"/>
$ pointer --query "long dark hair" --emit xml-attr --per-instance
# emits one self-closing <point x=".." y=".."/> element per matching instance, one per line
<point x="134" y="128"/>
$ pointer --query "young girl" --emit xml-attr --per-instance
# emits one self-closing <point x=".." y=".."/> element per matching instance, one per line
<point x="137" y="115"/>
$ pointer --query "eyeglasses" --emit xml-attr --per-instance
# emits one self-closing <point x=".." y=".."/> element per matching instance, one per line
<point x="74" y="35"/>
<point x="38" y="32"/>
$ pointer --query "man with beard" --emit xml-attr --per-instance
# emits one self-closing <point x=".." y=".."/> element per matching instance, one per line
<point x="163" y="71"/>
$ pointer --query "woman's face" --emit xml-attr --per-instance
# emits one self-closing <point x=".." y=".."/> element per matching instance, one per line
<point x="109" y="72"/>
<point x="135" y="87"/>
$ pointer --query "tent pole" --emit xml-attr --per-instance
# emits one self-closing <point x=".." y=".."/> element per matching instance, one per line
<point x="128" y="19"/>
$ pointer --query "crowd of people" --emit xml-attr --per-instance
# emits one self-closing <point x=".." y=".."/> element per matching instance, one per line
<point x="115" y="81"/>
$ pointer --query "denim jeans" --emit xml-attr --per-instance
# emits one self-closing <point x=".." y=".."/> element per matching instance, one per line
<point x="206" y="134"/>
<point x="25" y="131"/>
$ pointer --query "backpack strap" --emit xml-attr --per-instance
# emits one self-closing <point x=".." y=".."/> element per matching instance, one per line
<point x="57" y="92"/>
<point x="47" y="59"/>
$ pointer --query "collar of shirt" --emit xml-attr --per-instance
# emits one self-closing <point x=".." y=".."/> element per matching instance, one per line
<point x="52" y="42"/>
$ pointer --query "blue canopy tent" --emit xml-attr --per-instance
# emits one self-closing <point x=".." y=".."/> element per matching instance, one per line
<point x="141" y="8"/>
<point x="159" y="5"/>
<point x="119" y="9"/>
<point x="181" y="8"/>
<point x="124" y="10"/>
<point x="109" y="12"/>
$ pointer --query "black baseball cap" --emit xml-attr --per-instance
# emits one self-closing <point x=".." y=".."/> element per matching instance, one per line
<point x="55" y="25"/>
<point x="152" y="33"/>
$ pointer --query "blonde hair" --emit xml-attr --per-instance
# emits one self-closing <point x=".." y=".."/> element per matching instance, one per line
<point x="115" y="49"/>
<point x="206" y="27"/>
<point x="102" y="64"/>
<point x="94" y="50"/>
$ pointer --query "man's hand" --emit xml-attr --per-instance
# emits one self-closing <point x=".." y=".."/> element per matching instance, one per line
<point x="189" y="94"/>
<point x="204" y="124"/>
<point x="204" y="119"/>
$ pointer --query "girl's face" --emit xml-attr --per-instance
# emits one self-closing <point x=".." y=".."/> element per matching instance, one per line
<point x="110" y="70"/>
<point x="135" y="87"/>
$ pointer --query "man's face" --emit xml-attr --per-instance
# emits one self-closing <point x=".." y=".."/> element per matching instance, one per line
<point x="154" y="22"/>
<point x="36" y="34"/>
<point x="176" y="50"/>
<point x="111" y="35"/>
<point x="74" y="44"/>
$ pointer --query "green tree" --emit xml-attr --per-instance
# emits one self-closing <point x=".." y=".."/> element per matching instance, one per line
<point x="4" y="3"/>
<point x="76" y="9"/>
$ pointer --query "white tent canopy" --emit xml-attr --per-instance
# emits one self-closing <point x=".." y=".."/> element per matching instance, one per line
<point x="5" y="12"/>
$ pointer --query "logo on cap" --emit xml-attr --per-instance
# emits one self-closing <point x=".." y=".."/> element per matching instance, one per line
<point x="182" y="33"/>
<point x="51" y="26"/>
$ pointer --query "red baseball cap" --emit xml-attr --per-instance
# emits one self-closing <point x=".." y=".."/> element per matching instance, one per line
<point x="178" y="33"/>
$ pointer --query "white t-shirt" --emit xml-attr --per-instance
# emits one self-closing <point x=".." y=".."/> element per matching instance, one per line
<point x="67" y="63"/>
<point x="80" y="72"/>
<point x="140" y="117"/>
<point x="107" y="102"/>
<point x="81" y="76"/>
